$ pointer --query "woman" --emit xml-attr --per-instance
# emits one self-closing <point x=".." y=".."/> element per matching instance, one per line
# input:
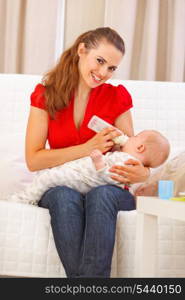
<point x="71" y="93"/>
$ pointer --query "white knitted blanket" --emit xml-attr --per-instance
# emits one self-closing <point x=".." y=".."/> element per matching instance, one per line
<point x="78" y="174"/>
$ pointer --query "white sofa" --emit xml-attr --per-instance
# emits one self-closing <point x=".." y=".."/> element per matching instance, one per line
<point x="26" y="243"/>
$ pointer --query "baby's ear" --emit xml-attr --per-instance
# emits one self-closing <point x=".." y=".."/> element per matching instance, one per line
<point x="141" y="148"/>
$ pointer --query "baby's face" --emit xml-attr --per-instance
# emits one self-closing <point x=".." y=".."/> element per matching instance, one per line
<point x="131" y="144"/>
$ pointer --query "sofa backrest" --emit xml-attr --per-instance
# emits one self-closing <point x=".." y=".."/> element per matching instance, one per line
<point x="15" y="99"/>
<point x="157" y="105"/>
<point x="15" y="93"/>
<point x="160" y="106"/>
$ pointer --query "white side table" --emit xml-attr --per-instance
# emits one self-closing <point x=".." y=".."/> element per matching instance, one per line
<point x="148" y="210"/>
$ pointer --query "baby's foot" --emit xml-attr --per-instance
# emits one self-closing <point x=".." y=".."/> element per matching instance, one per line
<point x="97" y="159"/>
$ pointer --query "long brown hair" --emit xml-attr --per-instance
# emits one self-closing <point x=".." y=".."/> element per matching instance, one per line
<point x="62" y="80"/>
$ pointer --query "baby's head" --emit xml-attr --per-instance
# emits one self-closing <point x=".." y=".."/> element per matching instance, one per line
<point x="149" y="146"/>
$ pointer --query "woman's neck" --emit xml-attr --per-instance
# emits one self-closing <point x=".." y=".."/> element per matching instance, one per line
<point x="82" y="91"/>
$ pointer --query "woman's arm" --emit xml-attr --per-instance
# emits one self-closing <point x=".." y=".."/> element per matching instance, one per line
<point x="124" y="123"/>
<point x="38" y="157"/>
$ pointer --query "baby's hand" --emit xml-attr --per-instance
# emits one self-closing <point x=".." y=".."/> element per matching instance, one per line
<point x="96" y="155"/>
<point x="97" y="158"/>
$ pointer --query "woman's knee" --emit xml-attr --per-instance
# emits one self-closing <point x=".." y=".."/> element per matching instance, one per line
<point x="111" y="196"/>
<point x="59" y="195"/>
<point x="103" y="195"/>
<point x="105" y="192"/>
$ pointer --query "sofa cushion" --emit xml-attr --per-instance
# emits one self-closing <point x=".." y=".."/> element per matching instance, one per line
<point x="15" y="103"/>
<point x="13" y="170"/>
<point x="174" y="170"/>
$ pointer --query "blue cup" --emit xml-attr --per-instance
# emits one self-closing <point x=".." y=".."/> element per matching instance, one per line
<point x="165" y="189"/>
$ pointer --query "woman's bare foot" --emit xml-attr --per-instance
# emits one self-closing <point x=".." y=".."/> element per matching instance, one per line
<point x="97" y="158"/>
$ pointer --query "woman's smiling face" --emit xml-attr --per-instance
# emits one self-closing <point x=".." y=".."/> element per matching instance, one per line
<point x="97" y="65"/>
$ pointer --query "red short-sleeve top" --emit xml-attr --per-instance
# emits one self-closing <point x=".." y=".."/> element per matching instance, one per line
<point x="106" y="101"/>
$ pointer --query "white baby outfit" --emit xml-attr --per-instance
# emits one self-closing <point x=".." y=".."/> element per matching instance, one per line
<point x="79" y="174"/>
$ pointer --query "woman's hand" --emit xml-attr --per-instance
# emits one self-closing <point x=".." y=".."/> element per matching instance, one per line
<point x="132" y="172"/>
<point x="102" y="140"/>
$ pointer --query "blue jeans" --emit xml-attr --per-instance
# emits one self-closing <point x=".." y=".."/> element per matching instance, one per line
<point x="84" y="226"/>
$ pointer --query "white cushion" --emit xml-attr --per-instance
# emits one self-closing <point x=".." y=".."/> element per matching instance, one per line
<point x="13" y="170"/>
<point x="15" y="104"/>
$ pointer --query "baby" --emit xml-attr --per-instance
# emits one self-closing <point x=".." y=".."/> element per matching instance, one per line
<point x="149" y="146"/>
